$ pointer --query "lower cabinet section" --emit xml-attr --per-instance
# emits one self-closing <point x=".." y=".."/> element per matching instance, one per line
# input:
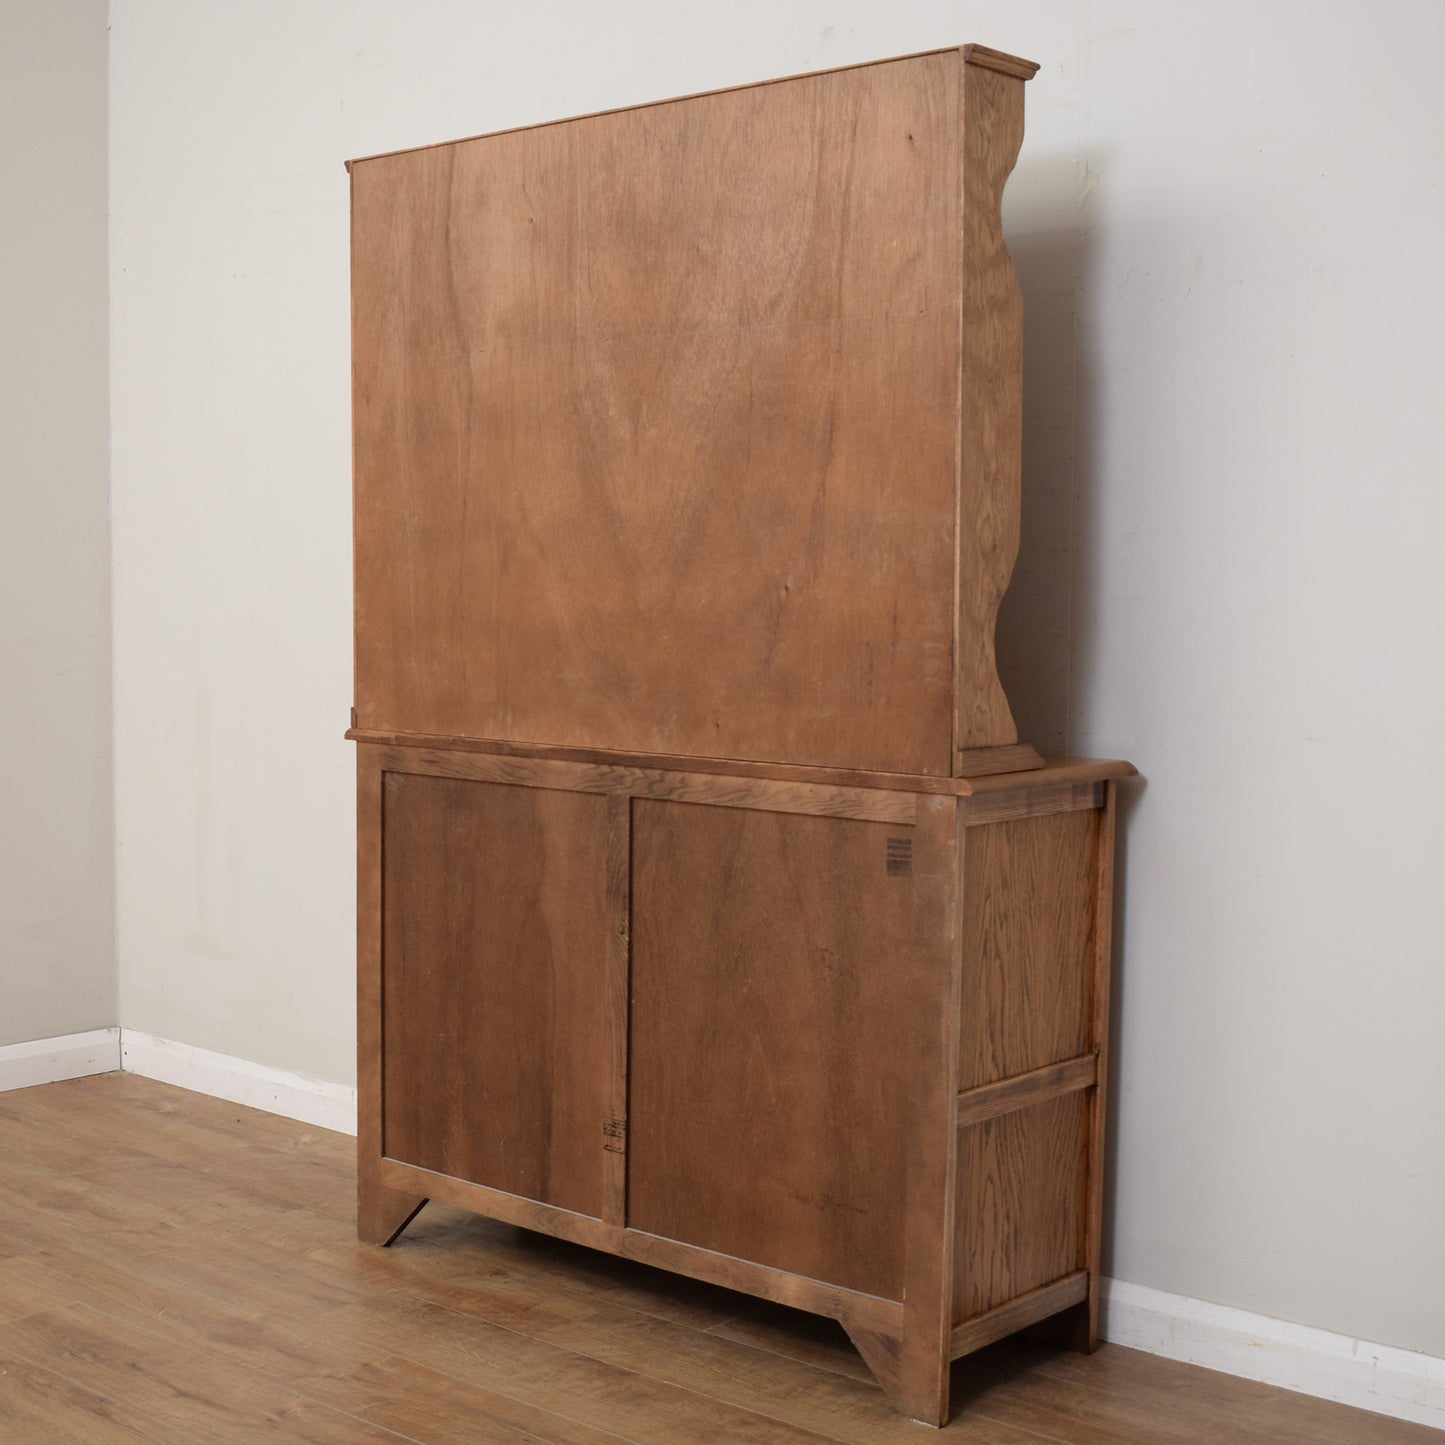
<point x="838" y="1046"/>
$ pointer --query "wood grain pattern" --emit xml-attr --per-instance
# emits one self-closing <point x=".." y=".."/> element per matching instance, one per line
<point x="381" y="1213"/>
<point x="1020" y="1196"/>
<point x="668" y="383"/>
<point x="983" y="762"/>
<point x="710" y="788"/>
<point x="1018" y="1313"/>
<point x="693" y="379"/>
<point x="768" y="949"/>
<point x="880" y="1354"/>
<point x="700" y="922"/>
<point x="921" y="1390"/>
<point x="987" y="1101"/>
<point x="495" y="985"/>
<point x="1004" y="908"/>
<point x="1030" y="904"/>
<point x="1001" y="758"/>
<point x="990" y="421"/>
<point x="1056" y="770"/>
<point x="467" y="1331"/>
<point x="1036" y="802"/>
<point x="836" y="1407"/>
<point x="1101" y="969"/>
<point x="618" y="1018"/>
<point x="864" y="1311"/>
<point x="1005" y="64"/>
<point x="985" y="784"/>
<point x="172" y="1397"/>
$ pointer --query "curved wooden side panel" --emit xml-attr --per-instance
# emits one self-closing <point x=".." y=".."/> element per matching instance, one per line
<point x="990" y="443"/>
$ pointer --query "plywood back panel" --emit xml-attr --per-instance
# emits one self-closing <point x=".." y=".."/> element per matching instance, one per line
<point x="770" y="1056"/>
<point x="657" y="428"/>
<point x="494" y="967"/>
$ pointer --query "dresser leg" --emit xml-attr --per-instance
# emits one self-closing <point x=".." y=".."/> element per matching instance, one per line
<point x="922" y="1389"/>
<point x="915" y="1381"/>
<point x="1075" y="1328"/>
<point x="382" y="1213"/>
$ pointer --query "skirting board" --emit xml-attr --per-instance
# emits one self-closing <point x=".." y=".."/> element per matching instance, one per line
<point x="258" y="1086"/>
<point x="1374" y="1377"/>
<point x="67" y="1056"/>
<point x="1389" y="1381"/>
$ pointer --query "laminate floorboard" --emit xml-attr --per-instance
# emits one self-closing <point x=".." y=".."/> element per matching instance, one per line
<point x="174" y="1268"/>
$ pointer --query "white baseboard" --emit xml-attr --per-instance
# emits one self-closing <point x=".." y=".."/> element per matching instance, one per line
<point x="68" y="1056"/>
<point x="1381" y="1378"/>
<point x="258" y="1086"/>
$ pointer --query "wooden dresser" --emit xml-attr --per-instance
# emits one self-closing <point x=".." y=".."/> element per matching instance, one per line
<point x="711" y="911"/>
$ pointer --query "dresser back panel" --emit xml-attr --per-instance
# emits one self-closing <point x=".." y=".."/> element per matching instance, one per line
<point x="657" y="427"/>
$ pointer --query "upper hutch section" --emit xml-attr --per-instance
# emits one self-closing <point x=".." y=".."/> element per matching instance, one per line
<point x="694" y="428"/>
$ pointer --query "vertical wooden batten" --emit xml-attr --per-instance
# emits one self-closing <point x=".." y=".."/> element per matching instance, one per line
<point x="990" y="398"/>
<point x="619" y="1004"/>
<point x="1100" y="977"/>
<point x="382" y="1213"/>
<point x="921" y="1390"/>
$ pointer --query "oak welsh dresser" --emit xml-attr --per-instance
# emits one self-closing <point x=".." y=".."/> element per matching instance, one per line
<point x="711" y="911"/>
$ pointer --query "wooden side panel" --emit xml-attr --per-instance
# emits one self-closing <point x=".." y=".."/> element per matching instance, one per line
<point x="770" y="1048"/>
<point x="669" y="384"/>
<point x="495" y="969"/>
<point x="1020" y="1204"/>
<point x="990" y="405"/>
<point x="1030" y="903"/>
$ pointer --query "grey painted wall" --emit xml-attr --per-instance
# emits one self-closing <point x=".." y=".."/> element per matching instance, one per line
<point x="57" y="920"/>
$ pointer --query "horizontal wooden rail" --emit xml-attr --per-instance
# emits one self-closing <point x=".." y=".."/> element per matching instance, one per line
<point x="1034" y="800"/>
<point x="851" y="1307"/>
<point x="818" y="799"/>
<point x="988" y="1101"/>
<point x="1017" y="1314"/>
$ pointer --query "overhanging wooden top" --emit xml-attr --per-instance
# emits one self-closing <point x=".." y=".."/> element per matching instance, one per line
<point x="979" y="55"/>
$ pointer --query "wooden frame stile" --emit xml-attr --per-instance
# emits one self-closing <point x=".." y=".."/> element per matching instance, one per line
<point x="382" y="1211"/>
<point x="619" y="995"/>
<point x="925" y="1377"/>
<point x="1086" y="1335"/>
<point x="915" y="1370"/>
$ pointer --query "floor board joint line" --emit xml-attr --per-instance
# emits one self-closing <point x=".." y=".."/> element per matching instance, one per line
<point x="167" y="1255"/>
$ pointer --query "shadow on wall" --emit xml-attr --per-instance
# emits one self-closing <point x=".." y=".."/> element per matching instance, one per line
<point x="1038" y="652"/>
<point x="1045" y="642"/>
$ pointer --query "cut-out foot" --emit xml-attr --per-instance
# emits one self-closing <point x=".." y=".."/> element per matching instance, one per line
<point x="916" y="1387"/>
<point x="382" y="1214"/>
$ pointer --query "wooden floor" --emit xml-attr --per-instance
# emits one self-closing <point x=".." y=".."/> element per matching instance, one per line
<point x="173" y="1268"/>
